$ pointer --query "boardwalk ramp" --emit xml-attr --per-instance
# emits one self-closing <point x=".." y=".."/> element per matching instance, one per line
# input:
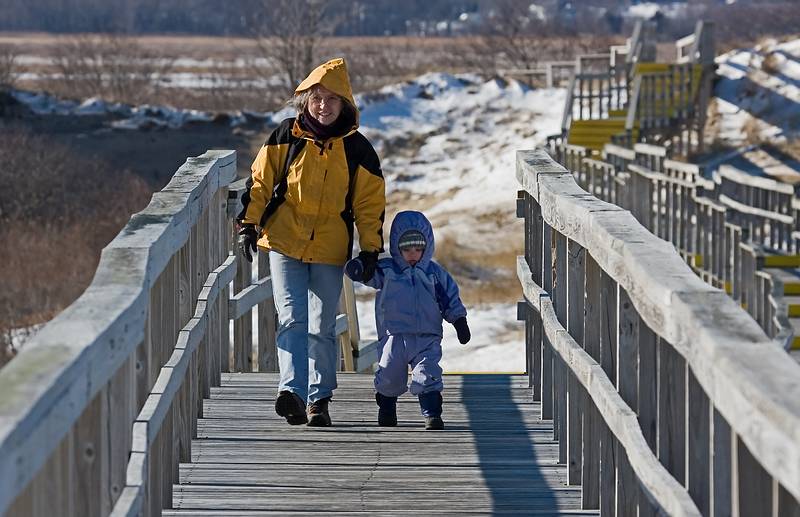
<point x="495" y="456"/>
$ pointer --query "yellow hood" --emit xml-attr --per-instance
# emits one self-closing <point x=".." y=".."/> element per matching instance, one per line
<point x="333" y="76"/>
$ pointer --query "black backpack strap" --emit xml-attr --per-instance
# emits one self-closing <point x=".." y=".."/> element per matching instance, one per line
<point x="281" y="135"/>
<point x="356" y="149"/>
<point x="279" y="193"/>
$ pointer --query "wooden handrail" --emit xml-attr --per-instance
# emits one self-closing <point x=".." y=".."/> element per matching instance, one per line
<point x="567" y="117"/>
<point x="633" y="104"/>
<point x="620" y="418"/>
<point x="137" y="352"/>
<point x="748" y="380"/>
<point x="47" y="387"/>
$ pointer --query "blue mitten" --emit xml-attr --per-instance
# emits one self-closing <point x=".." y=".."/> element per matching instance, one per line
<point x="354" y="269"/>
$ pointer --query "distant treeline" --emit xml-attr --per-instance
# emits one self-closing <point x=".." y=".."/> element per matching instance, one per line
<point x="742" y="20"/>
<point x="215" y="17"/>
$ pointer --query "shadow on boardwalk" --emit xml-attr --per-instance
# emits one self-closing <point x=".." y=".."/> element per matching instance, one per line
<point x="517" y="476"/>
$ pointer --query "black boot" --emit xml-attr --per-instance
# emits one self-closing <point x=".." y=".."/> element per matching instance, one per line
<point x="431" y="405"/>
<point x="290" y="406"/>
<point x="387" y="410"/>
<point x="318" y="415"/>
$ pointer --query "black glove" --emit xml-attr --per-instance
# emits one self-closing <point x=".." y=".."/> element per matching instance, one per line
<point x="248" y="236"/>
<point x="462" y="330"/>
<point x="369" y="260"/>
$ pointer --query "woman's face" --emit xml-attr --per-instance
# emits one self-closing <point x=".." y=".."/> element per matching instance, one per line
<point x="324" y="105"/>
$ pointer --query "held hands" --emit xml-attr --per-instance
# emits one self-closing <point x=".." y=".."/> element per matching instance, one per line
<point x="354" y="269"/>
<point x="248" y="236"/>
<point x="369" y="261"/>
<point x="462" y="330"/>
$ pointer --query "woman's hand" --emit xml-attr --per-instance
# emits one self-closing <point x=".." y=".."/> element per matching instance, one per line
<point x="369" y="261"/>
<point x="248" y="236"/>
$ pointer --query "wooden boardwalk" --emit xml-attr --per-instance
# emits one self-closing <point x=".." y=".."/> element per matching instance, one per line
<point x="496" y="456"/>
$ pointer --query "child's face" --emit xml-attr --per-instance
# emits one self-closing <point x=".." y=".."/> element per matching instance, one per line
<point x="412" y="254"/>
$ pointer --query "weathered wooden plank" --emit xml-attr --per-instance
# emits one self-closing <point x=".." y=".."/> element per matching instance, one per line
<point x="495" y="455"/>
<point x="387" y="476"/>
<point x="288" y="499"/>
<point x="670" y="496"/>
<point x="575" y="325"/>
<point x="722" y="499"/>
<point x="699" y="465"/>
<point x="627" y="373"/>
<point x="87" y="476"/>
<point x="672" y="411"/>
<point x="754" y="494"/>
<point x="47" y="387"/>
<point x="252" y="295"/>
<point x="608" y="471"/>
<point x="702" y="324"/>
<point x="267" y="324"/>
<point x="626" y="500"/>
<point x="648" y="384"/>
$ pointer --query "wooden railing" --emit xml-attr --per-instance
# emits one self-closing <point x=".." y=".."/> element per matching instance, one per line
<point x="665" y="395"/>
<point x="101" y="405"/>
<point x="731" y="230"/>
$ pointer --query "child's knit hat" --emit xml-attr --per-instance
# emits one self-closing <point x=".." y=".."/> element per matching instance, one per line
<point x="410" y="239"/>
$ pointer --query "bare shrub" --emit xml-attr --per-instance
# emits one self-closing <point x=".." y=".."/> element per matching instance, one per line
<point x="791" y="148"/>
<point x="289" y="33"/>
<point x="752" y="131"/>
<point x="771" y="63"/>
<point x="8" y="67"/>
<point x="57" y="211"/>
<point x="111" y="66"/>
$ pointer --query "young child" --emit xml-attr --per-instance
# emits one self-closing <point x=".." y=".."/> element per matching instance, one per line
<point x="414" y="295"/>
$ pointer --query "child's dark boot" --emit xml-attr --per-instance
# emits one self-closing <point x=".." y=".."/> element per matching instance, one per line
<point x="387" y="410"/>
<point x="431" y="405"/>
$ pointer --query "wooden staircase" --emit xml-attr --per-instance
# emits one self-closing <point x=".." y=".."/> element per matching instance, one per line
<point x="595" y="133"/>
<point x="640" y="99"/>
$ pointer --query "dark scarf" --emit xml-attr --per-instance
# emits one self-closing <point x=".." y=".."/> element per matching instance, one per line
<point x="340" y="126"/>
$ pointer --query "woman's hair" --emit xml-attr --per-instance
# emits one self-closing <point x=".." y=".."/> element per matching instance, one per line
<point x="300" y="101"/>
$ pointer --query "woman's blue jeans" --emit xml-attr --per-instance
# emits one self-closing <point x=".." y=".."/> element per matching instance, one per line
<point x="306" y="297"/>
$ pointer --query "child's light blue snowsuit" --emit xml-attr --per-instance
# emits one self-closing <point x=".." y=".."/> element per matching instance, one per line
<point x="409" y="308"/>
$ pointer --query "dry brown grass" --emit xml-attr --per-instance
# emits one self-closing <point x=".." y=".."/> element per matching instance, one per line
<point x="9" y="68"/>
<point x="373" y="62"/>
<point x="752" y="131"/>
<point x="791" y="148"/>
<point x="57" y="211"/>
<point x="483" y="276"/>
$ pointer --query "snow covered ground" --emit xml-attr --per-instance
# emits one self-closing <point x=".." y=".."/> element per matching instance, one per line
<point x="448" y="145"/>
<point x="463" y="177"/>
<point x="758" y="93"/>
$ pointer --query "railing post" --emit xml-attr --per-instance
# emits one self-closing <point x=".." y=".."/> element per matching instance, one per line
<point x="671" y="410"/>
<point x="243" y="327"/>
<point x="559" y="295"/>
<point x="698" y="464"/>
<point x="267" y="324"/>
<point x="590" y="478"/>
<point x="722" y="466"/>
<point x="608" y="361"/>
<point x="575" y="323"/>
<point x="547" y="350"/>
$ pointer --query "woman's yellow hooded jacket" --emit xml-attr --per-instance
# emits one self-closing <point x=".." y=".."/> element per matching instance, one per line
<point x="306" y="207"/>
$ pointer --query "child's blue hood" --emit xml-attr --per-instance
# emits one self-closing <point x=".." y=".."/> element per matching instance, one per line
<point x="411" y="220"/>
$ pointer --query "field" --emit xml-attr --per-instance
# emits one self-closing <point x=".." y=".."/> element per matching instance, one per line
<point x="123" y="167"/>
<point x="238" y="73"/>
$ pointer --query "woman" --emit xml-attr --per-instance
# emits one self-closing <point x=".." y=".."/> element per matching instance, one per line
<point x="314" y="177"/>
